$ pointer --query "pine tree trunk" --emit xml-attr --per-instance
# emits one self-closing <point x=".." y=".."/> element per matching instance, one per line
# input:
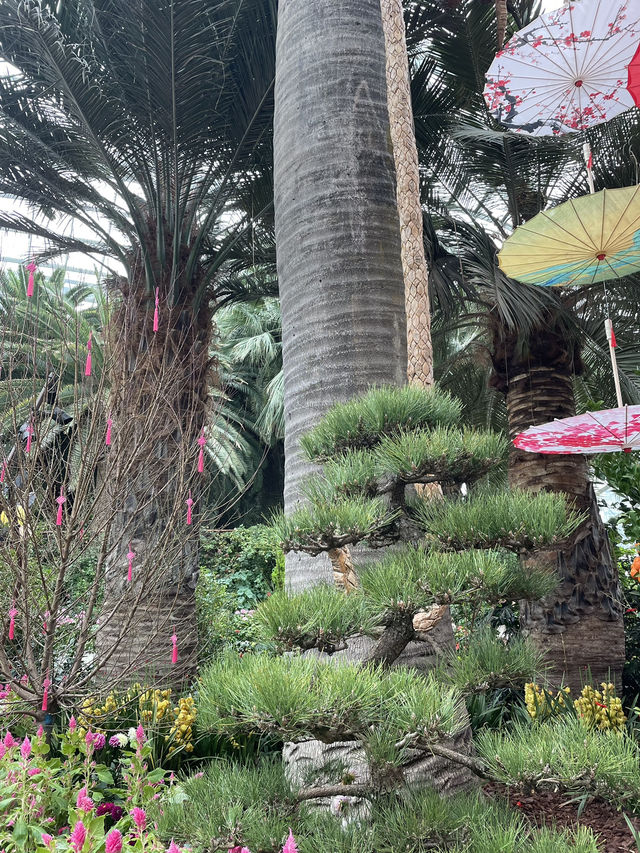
<point x="579" y="627"/>
<point x="158" y="406"/>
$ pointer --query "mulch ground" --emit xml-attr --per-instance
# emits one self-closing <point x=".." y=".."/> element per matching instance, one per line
<point x="549" y="809"/>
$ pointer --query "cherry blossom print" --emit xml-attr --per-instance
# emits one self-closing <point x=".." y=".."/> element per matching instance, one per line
<point x="605" y="431"/>
<point x="568" y="70"/>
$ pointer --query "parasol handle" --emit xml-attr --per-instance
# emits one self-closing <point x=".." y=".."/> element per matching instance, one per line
<point x="608" y="327"/>
<point x="588" y="159"/>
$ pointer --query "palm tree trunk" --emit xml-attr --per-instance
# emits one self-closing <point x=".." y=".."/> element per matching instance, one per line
<point x="405" y="152"/>
<point x="580" y="626"/>
<point x="339" y="265"/>
<point x="338" y="243"/>
<point x="158" y="406"/>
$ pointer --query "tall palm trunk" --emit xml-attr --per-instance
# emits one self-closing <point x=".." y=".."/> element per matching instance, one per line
<point x="339" y="264"/>
<point x="405" y="152"/>
<point x="338" y="246"/>
<point x="579" y="627"/>
<point x="158" y="407"/>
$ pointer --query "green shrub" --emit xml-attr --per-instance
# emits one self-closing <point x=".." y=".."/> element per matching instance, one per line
<point x="234" y="806"/>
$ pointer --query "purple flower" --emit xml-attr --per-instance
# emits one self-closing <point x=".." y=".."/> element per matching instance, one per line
<point x="113" y="841"/>
<point x="114" y="741"/>
<point x="114" y="811"/>
<point x="25" y="749"/>
<point x="99" y="740"/>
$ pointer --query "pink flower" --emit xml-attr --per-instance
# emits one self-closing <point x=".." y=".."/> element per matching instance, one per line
<point x="3" y="749"/>
<point x="72" y="724"/>
<point x="114" y="741"/>
<point x="47" y="839"/>
<point x="173" y="847"/>
<point x="139" y="818"/>
<point x="88" y="738"/>
<point x="290" y="844"/>
<point x="83" y="801"/>
<point x="99" y="740"/>
<point x="9" y="740"/>
<point x="25" y="749"/>
<point x="113" y="841"/>
<point x="78" y="836"/>
<point x="40" y="732"/>
<point x="33" y="771"/>
<point x="140" y="735"/>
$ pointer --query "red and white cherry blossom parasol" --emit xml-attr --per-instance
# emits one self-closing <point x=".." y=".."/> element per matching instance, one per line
<point x="569" y="69"/>
<point x="606" y="431"/>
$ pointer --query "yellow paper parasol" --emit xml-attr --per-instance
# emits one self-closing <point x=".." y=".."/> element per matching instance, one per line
<point x="592" y="238"/>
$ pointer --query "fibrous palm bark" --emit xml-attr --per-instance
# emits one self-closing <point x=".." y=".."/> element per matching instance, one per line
<point x="580" y="626"/>
<point x="405" y="152"/>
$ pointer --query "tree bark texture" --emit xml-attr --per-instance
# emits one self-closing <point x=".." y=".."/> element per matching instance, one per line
<point x="337" y="233"/>
<point x="405" y="152"/>
<point x="579" y="626"/>
<point x="158" y="405"/>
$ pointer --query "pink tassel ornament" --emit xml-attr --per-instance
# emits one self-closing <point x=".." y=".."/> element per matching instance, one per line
<point x="45" y="696"/>
<point x="31" y="268"/>
<point x="189" y="505"/>
<point x="201" y="441"/>
<point x="60" y="501"/>
<point x="29" y="437"/>
<point x="3" y="472"/>
<point x="107" y="438"/>
<point x="130" y="557"/>
<point x="156" y="311"/>
<point x="174" y="649"/>
<point x="12" y="621"/>
<point x="87" y="366"/>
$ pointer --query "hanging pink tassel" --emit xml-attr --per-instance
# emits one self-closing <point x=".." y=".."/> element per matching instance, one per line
<point x="31" y="269"/>
<point x="201" y="441"/>
<point x="12" y="621"/>
<point x="60" y="501"/>
<point x="156" y="314"/>
<point x="3" y="472"/>
<point x="29" y="437"/>
<point x="87" y="367"/>
<point x="614" y="343"/>
<point x="174" y="650"/>
<point x="189" y="505"/>
<point x="45" y="696"/>
<point x="130" y="557"/>
<point x="107" y="439"/>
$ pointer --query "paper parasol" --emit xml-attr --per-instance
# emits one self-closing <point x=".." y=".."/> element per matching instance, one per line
<point x="606" y="431"/>
<point x="569" y="69"/>
<point x="588" y="239"/>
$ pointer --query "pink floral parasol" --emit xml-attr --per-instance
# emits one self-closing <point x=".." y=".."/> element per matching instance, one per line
<point x="569" y="69"/>
<point x="606" y="431"/>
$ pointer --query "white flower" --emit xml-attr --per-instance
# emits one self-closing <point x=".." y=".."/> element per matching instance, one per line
<point x="131" y="735"/>
<point x="123" y="740"/>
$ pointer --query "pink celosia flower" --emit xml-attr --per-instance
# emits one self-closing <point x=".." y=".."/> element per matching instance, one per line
<point x="140" y="735"/>
<point x="25" y="749"/>
<point x="47" y="839"/>
<point x="290" y="844"/>
<point x="40" y="731"/>
<point x="3" y="749"/>
<point x="83" y="801"/>
<point x="139" y="818"/>
<point x="88" y="738"/>
<point x="113" y="841"/>
<point x="173" y="847"/>
<point x="72" y="724"/>
<point x="9" y="740"/>
<point x="33" y="771"/>
<point x="78" y="836"/>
